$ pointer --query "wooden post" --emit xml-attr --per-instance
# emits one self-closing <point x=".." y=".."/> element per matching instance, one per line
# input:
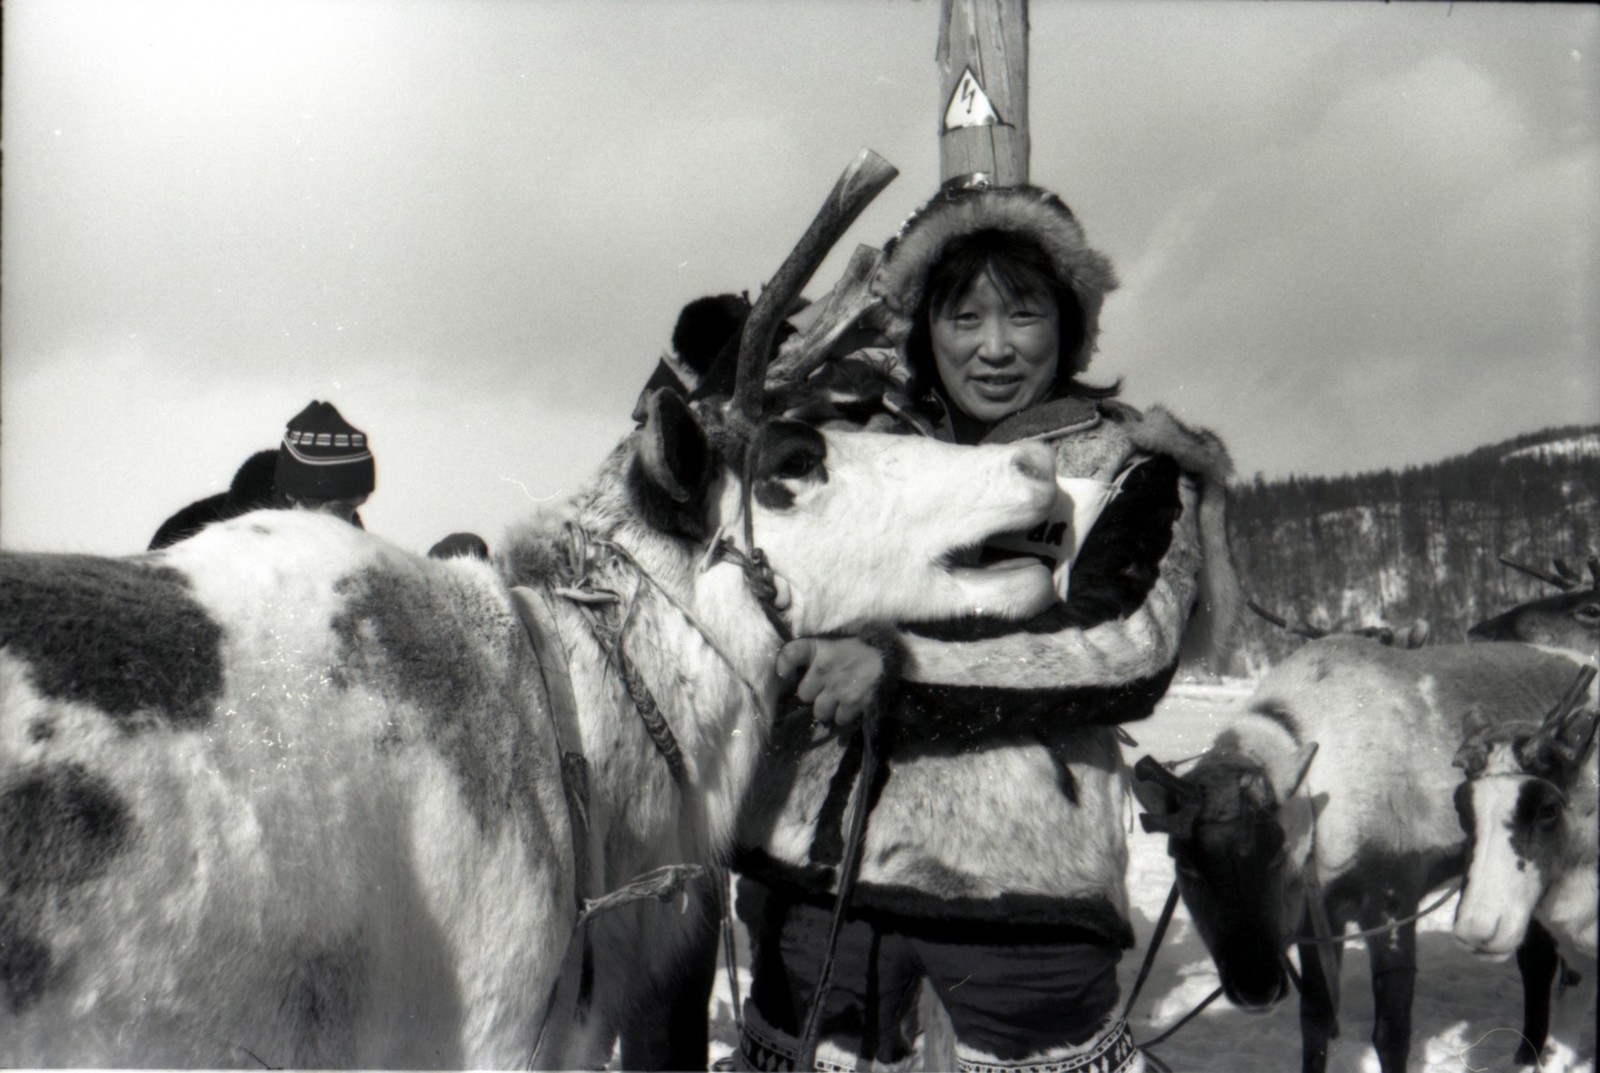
<point x="983" y="68"/>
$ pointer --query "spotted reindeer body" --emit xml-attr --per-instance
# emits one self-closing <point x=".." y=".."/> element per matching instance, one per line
<point x="246" y="787"/>
<point x="287" y="794"/>
<point x="1338" y="774"/>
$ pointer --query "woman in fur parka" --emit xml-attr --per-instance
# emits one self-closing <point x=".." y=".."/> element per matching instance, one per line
<point x="994" y="855"/>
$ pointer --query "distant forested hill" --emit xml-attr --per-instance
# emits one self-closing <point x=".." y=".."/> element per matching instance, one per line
<point x="1421" y="543"/>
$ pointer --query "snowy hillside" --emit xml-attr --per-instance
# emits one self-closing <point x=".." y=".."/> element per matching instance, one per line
<point x="1421" y="544"/>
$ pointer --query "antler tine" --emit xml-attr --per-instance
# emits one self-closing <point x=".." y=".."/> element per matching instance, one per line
<point x="862" y="181"/>
<point x="1268" y="615"/>
<point x="1594" y="572"/>
<point x="1533" y="571"/>
<point x="1571" y="698"/>
<point x="1305" y="629"/>
<point x="1564" y="568"/>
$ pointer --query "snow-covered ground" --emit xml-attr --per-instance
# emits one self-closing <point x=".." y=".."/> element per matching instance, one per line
<point x="1465" y="1018"/>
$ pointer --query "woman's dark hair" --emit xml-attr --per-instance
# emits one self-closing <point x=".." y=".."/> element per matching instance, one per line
<point x="1019" y="266"/>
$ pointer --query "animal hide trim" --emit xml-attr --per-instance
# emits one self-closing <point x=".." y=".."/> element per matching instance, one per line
<point x="1094" y="918"/>
<point x="1023" y="210"/>
<point x="1203" y="454"/>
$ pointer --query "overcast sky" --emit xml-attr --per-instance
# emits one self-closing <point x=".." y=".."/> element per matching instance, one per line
<point x="1351" y="235"/>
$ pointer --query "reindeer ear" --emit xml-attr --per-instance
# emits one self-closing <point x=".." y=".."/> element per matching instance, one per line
<point x="1474" y="723"/>
<point x="673" y="466"/>
<point x="1171" y="804"/>
<point x="1472" y="756"/>
<point x="1152" y="787"/>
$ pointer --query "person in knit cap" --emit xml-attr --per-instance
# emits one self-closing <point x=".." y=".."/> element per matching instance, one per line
<point x="992" y="863"/>
<point x="335" y="476"/>
<point x="324" y="463"/>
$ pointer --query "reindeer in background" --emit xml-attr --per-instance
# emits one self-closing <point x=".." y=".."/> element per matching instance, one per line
<point x="1329" y="800"/>
<point x="1529" y="808"/>
<point x="1570" y="619"/>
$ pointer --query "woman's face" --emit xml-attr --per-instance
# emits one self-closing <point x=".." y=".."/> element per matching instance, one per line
<point x="995" y="357"/>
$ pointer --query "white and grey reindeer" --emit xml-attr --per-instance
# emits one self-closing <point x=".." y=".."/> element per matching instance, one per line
<point x="1529" y="806"/>
<point x="1329" y="800"/>
<point x="287" y="795"/>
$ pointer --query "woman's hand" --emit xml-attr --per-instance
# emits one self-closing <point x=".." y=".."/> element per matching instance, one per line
<point x="841" y="676"/>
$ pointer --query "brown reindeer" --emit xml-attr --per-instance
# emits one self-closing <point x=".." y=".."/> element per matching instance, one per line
<point x="288" y="795"/>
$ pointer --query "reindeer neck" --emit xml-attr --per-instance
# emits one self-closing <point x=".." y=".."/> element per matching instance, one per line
<point x="694" y="641"/>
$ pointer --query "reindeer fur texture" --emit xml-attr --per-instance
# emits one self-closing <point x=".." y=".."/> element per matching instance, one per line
<point x="347" y="848"/>
<point x="1003" y="795"/>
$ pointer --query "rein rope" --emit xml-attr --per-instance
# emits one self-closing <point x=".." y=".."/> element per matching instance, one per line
<point x="1316" y="905"/>
<point x="1144" y="972"/>
<point x="1328" y="939"/>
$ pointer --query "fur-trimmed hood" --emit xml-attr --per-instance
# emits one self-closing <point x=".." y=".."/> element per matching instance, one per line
<point x="1022" y="210"/>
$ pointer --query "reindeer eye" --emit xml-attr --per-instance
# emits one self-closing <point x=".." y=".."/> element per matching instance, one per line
<point x="797" y="465"/>
<point x="1589" y="612"/>
<point x="1548" y="815"/>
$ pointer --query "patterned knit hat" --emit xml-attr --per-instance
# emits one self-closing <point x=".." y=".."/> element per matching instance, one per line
<point x="323" y="457"/>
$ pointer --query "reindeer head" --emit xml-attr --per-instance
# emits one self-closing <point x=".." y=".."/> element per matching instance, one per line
<point x="1516" y="807"/>
<point x="1226" y="835"/>
<point x="1570" y="619"/>
<point x="857" y="526"/>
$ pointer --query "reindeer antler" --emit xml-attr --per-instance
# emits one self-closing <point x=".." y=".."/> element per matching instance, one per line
<point x="1305" y="629"/>
<point x="1566" y="733"/>
<point x="862" y="181"/>
<point x="1560" y="582"/>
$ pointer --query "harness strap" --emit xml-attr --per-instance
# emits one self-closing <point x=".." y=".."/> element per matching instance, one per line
<point x="550" y="655"/>
<point x="1185" y="1019"/>
<point x="609" y="639"/>
<point x="655" y="724"/>
<point x="758" y="573"/>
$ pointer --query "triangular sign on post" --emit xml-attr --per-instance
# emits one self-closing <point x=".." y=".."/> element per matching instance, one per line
<point x="970" y="106"/>
<point x="983" y="93"/>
